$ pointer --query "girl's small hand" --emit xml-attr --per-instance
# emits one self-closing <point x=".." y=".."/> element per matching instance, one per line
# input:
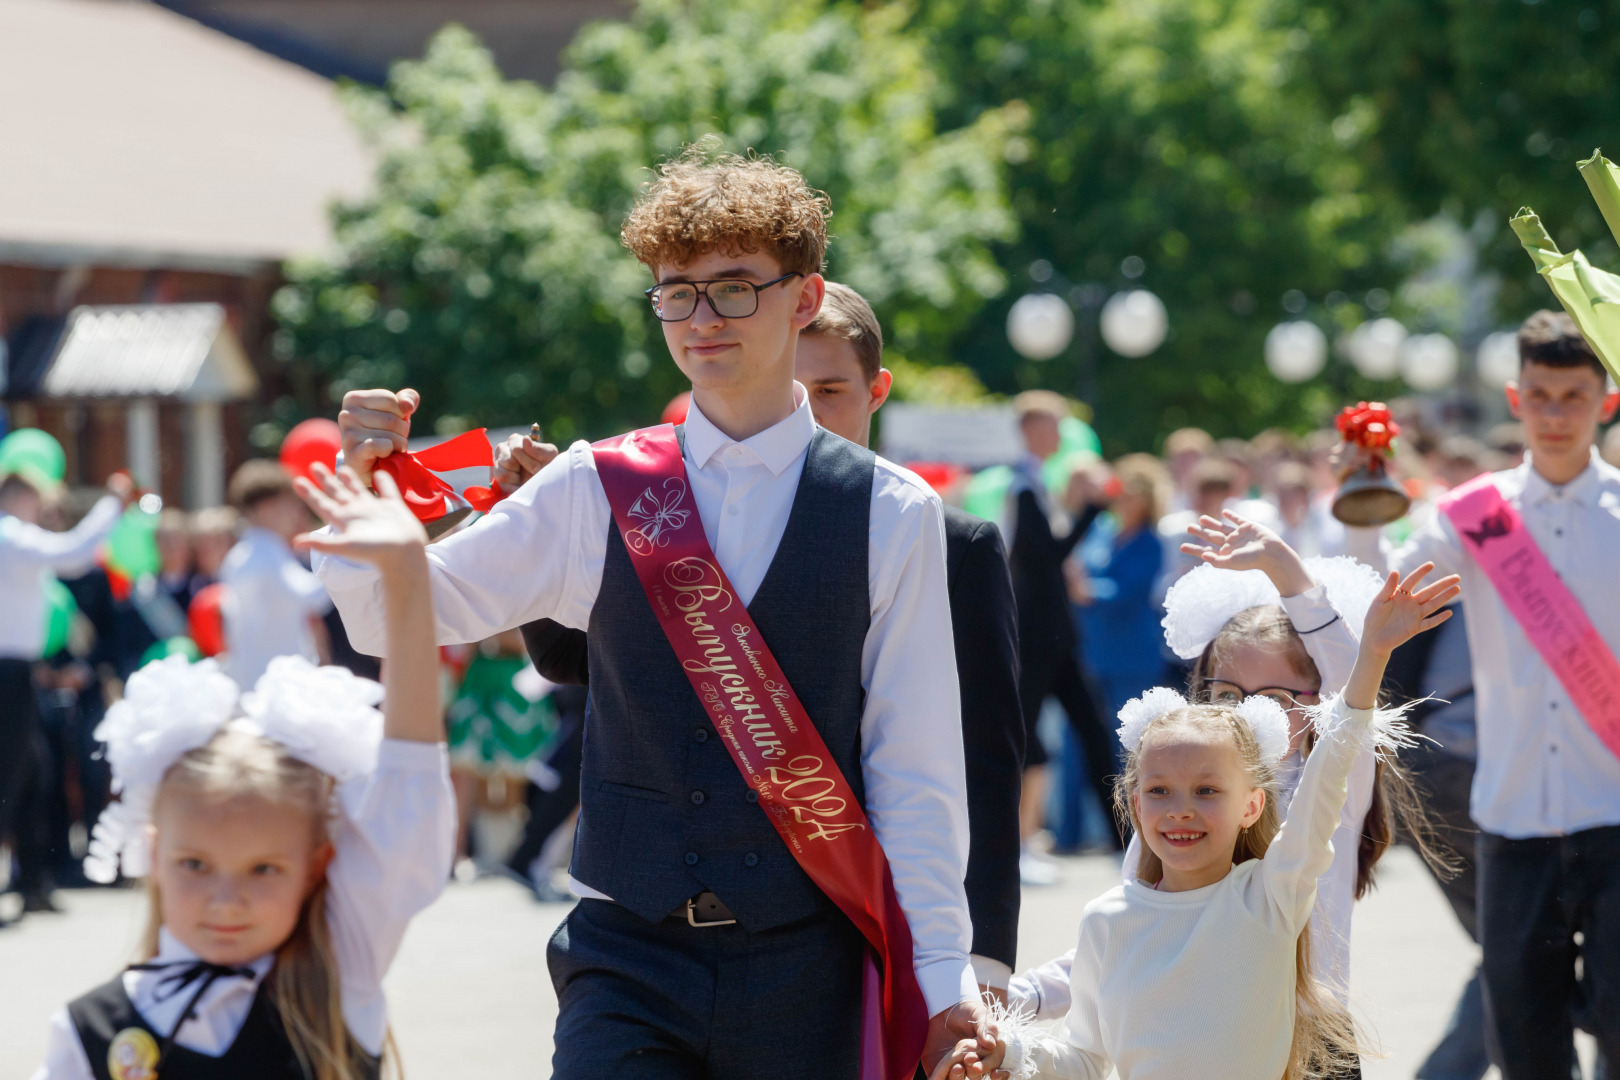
<point x="963" y="1063"/>
<point x="1403" y="610"/>
<point x="1240" y="544"/>
<point x="378" y="529"/>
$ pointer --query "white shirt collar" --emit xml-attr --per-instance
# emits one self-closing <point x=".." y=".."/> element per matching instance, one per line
<point x="1582" y="490"/>
<point x="172" y="951"/>
<point x="777" y="447"/>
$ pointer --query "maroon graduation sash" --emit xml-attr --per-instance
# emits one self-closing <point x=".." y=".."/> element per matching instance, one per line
<point x="772" y="740"/>
<point x="1550" y="615"/>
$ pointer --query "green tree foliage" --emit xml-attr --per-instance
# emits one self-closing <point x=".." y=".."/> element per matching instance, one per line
<point x="1476" y="107"/>
<point x="1188" y="134"/>
<point x="485" y="269"/>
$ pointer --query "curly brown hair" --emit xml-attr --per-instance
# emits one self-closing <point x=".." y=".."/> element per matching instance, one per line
<point x="739" y="205"/>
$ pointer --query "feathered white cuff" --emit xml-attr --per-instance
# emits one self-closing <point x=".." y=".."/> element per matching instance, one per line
<point x="1385" y="733"/>
<point x="1020" y="1032"/>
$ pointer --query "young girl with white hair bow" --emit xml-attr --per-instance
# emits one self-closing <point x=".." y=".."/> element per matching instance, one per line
<point x="287" y="838"/>
<point x="1200" y="966"/>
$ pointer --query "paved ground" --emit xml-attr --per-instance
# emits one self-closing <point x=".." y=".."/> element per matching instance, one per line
<point x="470" y="996"/>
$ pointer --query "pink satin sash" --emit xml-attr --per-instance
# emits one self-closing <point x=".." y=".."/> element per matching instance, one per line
<point x="1550" y="615"/>
<point x="771" y="738"/>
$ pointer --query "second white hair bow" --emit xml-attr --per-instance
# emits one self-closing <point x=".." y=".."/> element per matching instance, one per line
<point x="1265" y="718"/>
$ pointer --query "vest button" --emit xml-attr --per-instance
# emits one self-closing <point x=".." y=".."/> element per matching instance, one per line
<point x="751" y="795"/>
<point x="697" y="798"/>
<point x="691" y="858"/>
<point x="700" y="734"/>
<point x="750" y="859"/>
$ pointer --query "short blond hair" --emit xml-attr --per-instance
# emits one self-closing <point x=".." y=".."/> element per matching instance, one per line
<point x="734" y="204"/>
<point x="847" y="316"/>
<point x="1145" y="475"/>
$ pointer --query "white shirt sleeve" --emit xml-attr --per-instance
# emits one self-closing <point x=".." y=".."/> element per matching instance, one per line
<point x="1303" y="848"/>
<point x="1329" y="639"/>
<point x="1043" y="992"/>
<point x="395" y="844"/>
<point x="911" y="734"/>
<point x="65" y="1058"/>
<point x="988" y="971"/>
<point x="537" y="554"/>
<point x="65" y="552"/>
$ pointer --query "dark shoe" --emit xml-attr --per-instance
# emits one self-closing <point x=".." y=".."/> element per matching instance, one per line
<point x="40" y="903"/>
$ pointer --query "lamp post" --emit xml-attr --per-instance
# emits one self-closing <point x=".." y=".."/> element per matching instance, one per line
<point x="1041" y="325"/>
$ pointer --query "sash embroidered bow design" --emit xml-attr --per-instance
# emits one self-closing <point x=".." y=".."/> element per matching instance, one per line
<point x="1491" y="527"/>
<point x="658" y="517"/>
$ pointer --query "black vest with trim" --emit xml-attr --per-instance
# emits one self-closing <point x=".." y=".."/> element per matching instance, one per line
<point x="664" y="812"/>
<point x="261" y="1050"/>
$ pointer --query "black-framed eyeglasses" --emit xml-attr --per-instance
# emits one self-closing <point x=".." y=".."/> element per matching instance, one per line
<point x="731" y="298"/>
<point x="1222" y="692"/>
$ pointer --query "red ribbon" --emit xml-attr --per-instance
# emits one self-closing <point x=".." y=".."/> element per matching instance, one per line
<point x="430" y="497"/>
<point x="771" y="738"/>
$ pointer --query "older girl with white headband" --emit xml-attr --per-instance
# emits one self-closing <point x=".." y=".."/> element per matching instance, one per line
<point x="1200" y="966"/>
<point x="287" y="837"/>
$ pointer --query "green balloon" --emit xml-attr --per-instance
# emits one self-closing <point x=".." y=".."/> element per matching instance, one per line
<point x="59" y="611"/>
<point x="35" y="456"/>
<point x="180" y="645"/>
<point x="132" y="545"/>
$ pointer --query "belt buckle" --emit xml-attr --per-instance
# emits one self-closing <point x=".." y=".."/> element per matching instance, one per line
<point x="691" y="919"/>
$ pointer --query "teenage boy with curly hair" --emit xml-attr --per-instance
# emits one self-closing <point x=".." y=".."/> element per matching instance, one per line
<point x="690" y="956"/>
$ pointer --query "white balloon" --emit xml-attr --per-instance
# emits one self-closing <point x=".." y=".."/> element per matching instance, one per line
<point x="1134" y="323"/>
<point x="1296" y="351"/>
<point x="1428" y="362"/>
<point x="1375" y="348"/>
<point x="1498" y="358"/>
<point x="1040" y="325"/>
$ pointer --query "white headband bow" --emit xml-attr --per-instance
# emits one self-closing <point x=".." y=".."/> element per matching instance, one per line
<point x="325" y="717"/>
<point x="1207" y="597"/>
<point x="1264" y="716"/>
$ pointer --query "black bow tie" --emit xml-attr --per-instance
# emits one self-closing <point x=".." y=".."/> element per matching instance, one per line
<point x="183" y="974"/>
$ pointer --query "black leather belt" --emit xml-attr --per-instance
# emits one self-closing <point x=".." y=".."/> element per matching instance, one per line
<point x="704" y="909"/>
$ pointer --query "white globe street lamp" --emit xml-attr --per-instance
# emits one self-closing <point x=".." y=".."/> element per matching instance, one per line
<point x="1296" y="351"/>
<point x="1375" y="348"/>
<point x="1428" y="362"/>
<point x="1040" y="325"/>
<point x="1498" y="359"/>
<point x="1134" y="323"/>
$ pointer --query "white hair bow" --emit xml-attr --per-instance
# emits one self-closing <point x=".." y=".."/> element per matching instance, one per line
<point x="1207" y="597"/>
<point x="325" y="717"/>
<point x="1266" y="719"/>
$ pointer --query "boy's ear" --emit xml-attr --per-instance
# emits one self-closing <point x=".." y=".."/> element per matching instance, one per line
<point x="880" y="389"/>
<point x="1611" y="404"/>
<point x="812" y="290"/>
<point x="1512" y="392"/>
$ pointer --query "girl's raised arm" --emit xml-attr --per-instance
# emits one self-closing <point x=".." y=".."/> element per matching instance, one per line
<point x="381" y="530"/>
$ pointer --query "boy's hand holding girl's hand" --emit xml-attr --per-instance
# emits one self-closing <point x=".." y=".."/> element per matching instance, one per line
<point x="967" y="1063"/>
<point x="1403" y="609"/>
<point x="1240" y="544"/>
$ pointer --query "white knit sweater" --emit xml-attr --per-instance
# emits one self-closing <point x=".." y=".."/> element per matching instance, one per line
<point x="1170" y="985"/>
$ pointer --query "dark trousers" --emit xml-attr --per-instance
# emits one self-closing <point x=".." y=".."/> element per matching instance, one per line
<point x="1057" y="673"/>
<point x="661" y="1001"/>
<point x="19" y="737"/>
<point x="1535" y="896"/>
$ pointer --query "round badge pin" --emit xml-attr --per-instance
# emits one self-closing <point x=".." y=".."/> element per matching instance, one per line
<point x="133" y="1055"/>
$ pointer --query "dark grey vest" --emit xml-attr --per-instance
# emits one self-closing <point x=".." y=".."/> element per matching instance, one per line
<point x="664" y="813"/>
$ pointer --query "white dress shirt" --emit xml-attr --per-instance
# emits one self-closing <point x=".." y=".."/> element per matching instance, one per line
<point x="539" y="554"/>
<point x="269" y="601"/>
<point x="395" y="841"/>
<point x="1043" y="992"/>
<point x="29" y="558"/>
<point x="1541" y="770"/>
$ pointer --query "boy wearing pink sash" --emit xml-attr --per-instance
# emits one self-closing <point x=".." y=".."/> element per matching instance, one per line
<point x="1538" y="548"/>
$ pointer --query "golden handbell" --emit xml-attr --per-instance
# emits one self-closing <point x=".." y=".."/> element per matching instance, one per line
<point x="1370" y="497"/>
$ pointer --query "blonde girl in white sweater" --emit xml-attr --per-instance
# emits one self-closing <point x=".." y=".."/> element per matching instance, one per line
<point x="1201" y="967"/>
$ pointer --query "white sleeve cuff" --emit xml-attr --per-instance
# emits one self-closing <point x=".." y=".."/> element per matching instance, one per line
<point x="947" y="981"/>
<point x="409" y="756"/>
<point x="1310" y="611"/>
<point x="989" y="972"/>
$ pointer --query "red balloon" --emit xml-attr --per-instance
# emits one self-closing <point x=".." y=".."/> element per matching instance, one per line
<point x="675" y="411"/>
<point x="309" y="442"/>
<point x="206" y="620"/>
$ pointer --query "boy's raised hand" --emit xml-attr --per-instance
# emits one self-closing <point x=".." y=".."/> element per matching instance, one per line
<point x="1405" y="608"/>
<point x="1236" y="543"/>
<point x="377" y="529"/>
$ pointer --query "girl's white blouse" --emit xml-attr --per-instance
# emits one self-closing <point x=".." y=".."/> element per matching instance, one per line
<point x="395" y="842"/>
